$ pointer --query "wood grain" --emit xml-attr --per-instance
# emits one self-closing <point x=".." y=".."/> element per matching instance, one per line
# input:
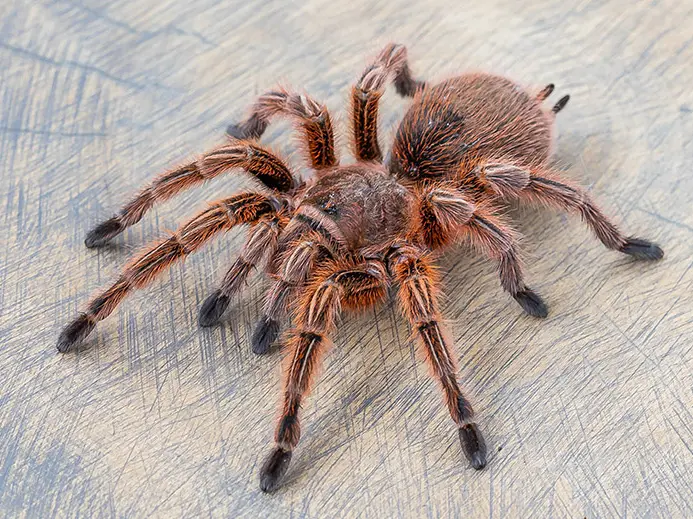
<point x="587" y="413"/>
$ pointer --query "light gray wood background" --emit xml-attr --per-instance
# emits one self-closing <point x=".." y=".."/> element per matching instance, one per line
<point x="587" y="413"/>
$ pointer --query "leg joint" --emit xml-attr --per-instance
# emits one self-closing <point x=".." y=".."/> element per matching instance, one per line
<point x="288" y="432"/>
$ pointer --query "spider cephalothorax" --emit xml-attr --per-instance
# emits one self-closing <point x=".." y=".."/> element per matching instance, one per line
<point x="464" y="148"/>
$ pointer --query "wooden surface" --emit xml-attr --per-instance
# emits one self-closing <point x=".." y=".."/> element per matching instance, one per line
<point x="587" y="413"/>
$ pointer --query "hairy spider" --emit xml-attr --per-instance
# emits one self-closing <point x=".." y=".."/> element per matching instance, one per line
<point x="465" y="147"/>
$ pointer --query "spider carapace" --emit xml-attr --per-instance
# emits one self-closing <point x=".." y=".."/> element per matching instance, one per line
<point x="465" y="148"/>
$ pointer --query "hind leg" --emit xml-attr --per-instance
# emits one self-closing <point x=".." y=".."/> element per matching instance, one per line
<point x="549" y="189"/>
<point x="366" y="94"/>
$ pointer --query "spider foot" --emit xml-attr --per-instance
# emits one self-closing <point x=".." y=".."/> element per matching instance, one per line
<point x="560" y="105"/>
<point x="642" y="249"/>
<point x="75" y="332"/>
<point x="253" y="128"/>
<point x="266" y="332"/>
<point x="237" y="131"/>
<point x="102" y="233"/>
<point x="213" y="308"/>
<point x="532" y="303"/>
<point x="274" y="469"/>
<point x="473" y="445"/>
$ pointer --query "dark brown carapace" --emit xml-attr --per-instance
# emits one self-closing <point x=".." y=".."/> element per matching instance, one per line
<point x="464" y="148"/>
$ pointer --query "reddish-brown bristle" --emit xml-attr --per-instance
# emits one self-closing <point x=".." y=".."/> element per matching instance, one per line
<point x="487" y="115"/>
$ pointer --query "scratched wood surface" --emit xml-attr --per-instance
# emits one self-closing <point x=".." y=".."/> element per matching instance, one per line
<point x="587" y="413"/>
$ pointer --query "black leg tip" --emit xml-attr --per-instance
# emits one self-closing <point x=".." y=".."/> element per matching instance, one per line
<point x="237" y="131"/>
<point x="642" y="249"/>
<point x="532" y="303"/>
<point x="252" y="128"/>
<point x="266" y="332"/>
<point x="560" y="105"/>
<point x="74" y="333"/>
<point x="478" y="461"/>
<point x="274" y="469"/>
<point x="102" y="233"/>
<point x="473" y="445"/>
<point x="213" y="308"/>
<point x="64" y="344"/>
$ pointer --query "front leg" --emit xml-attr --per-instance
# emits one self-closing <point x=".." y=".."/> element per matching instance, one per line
<point x="365" y="97"/>
<point x="445" y="215"/>
<point x="352" y="286"/>
<point x="418" y="294"/>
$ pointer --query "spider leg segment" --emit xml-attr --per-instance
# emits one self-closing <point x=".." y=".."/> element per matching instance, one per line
<point x="262" y="165"/>
<point x="311" y="116"/>
<point x="365" y="96"/>
<point x="391" y="60"/>
<point x="489" y="234"/>
<point x="504" y="180"/>
<point x="334" y="285"/>
<point x="220" y="216"/>
<point x="292" y="276"/>
<point x="560" y="105"/>
<point x="418" y="291"/>
<point x="545" y="92"/>
<point x="261" y="242"/>
<point x="549" y="189"/>
<point x="446" y="214"/>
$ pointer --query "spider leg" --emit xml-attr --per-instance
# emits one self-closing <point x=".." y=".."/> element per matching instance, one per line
<point x="549" y="189"/>
<point x="446" y="214"/>
<point x="418" y="290"/>
<point x="335" y="285"/>
<point x="262" y="241"/>
<point x="304" y="245"/>
<point x="293" y="274"/>
<point x="220" y="216"/>
<point x="258" y="162"/>
<point x="366" y="94"/>
<point x="312" y="117"/>
<point x="392" y="60"/>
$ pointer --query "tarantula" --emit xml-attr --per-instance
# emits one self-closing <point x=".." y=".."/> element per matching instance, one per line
<point x="465" y="147"/>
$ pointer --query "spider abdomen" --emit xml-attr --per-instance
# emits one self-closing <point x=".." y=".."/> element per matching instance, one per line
<point x="466" y="119"/>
